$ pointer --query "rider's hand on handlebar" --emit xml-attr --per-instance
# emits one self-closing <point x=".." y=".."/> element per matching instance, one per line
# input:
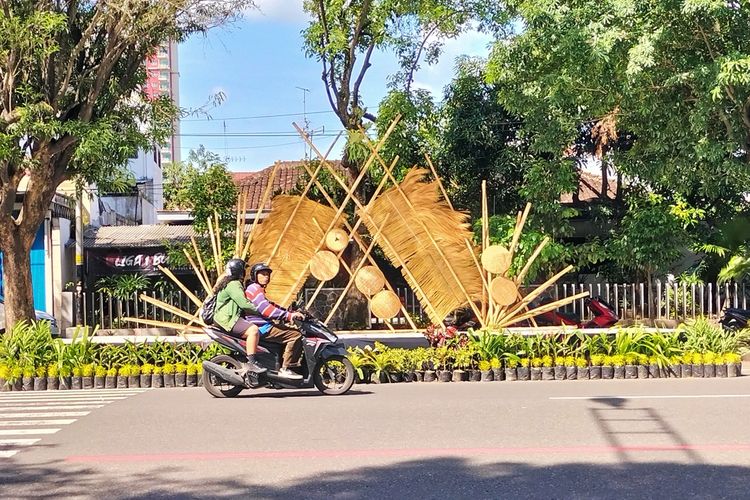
<point x="297" y="315"/>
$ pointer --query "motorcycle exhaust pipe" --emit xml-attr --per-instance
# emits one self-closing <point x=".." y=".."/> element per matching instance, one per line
<point x="229" y="376"/>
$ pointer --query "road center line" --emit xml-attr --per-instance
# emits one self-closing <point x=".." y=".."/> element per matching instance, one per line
<point x="18" y="442"/>
<point x="26" y="432"/>
<point x="13" y="423"/>
<point x="7" y="453"/>
<point x="49" y="408"/>
<point x="668" y="396"/>
<point x="43" y="414"/>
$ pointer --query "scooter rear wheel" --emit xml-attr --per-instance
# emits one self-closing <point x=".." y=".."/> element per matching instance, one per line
<point x="217" y="387"/>
<point x="334" y="375"/>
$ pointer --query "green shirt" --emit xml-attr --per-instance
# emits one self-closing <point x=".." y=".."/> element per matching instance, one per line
<point x="230" y="305"/>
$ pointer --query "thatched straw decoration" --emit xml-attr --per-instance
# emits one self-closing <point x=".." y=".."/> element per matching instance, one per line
<point x="408" y="239"/>
<point x="266" y="195"/>
<point x="301" y="242"/>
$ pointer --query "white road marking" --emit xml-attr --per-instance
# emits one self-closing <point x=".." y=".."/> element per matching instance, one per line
<point x="67" y="394"/>
<point x="8" y="453"/>
<point x="44" y="414"/>
<point x="18" y="442"/>
<point x="51" y="400"/>
<point x="669" y="396"/>
<point x="49" y="407"/>
<point x="13" y="423"/>
<point x="26" y="432"/>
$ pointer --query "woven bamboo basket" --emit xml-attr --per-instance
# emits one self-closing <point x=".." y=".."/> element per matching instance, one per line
<point x="385" y="304"/>
<point x="324" y="265"/>
<point x="369" y="280"/>
<point x="337" y="240"/>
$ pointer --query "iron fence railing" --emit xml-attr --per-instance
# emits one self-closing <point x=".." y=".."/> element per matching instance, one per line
<point x="632" y="301"/>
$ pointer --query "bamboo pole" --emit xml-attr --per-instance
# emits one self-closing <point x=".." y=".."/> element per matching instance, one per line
<point x="218" y="235"/>
<point x="198" y="302"/>
<point x="519" y="279"/>
<point x="217" y="261"/>
<point x="517" y="232"/>
<point x="488" y="306"/>
<point x="439" y="181"/>
<point x="541" y="309"/>
<point x="540" y="290"/>
<point x="476" y="263"/>
<point x="200" y="258"/>
<point x="164" y="324"/>
<point x="266" y="194"/>
<point x="203" y="279"/>
<point x="168" y="307"/>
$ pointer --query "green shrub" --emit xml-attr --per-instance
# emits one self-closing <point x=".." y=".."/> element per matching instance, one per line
<point x="147" y="369"/>
<point x="581" y="362"/>
<point x="135" y="370"/>
<point x="158" y="370"/>
<point x="631" y="358"/>
<point x="180" y="367"/>
<point x="77" y="371"/>
<point x="618" y="360"/>
<point x="167" y="368"/>
<point x="88" y="370"/>
<point x="123" y="371"/>
<point x="485" y="365"/>
<point x="112" y="372"/>
<point x="524" y="362"/>
<point x="41" y="371"/>
<point x="697" y="358"/>
<point x="495" y="363"/>
<point x="52" y="371"/>
<point x="192" y="369"/>
<point x="569" y="361"/>
<point x="547" y="361"/>
<point x="732" y="358"/>
<point x="709" y="358"/>
<point x="597" y="360"/>
<point x="100" y="371"/>
<point x="536" y="362"/>
<point x="4" y="371"/>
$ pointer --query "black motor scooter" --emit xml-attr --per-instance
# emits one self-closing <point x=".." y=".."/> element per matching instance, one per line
<point x="324" y="363"/>
<point x="735" y="318"/>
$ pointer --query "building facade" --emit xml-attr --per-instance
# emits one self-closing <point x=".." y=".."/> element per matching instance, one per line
<point x="163" y="79"/>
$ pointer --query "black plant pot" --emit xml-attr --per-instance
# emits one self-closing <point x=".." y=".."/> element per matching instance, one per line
<point x="595" y="372"/>
<point x="40" y="383"/>
<point x="582" y="372"/>
<point x="475" y="376"/>
<point x="675" y="371"/>
<point x="134" y="381"/>
<point x="697" y="370"/>
<point x="460" y="376"/>
<point x="536" y="373"/>
<point x="487" y="376"/>
<point x="419" y="375"/>
<point x="88" y="382"/>
<point x="429" y="376"/>
<point x="110" y="382"/>
<point x="190" y="381"/>
<point x="709" y="371"/>
<point x="498" y="374"/>
<point x="168" y="379"/>
<point x="65" y="383"/>
<point x="618" y="372"/>
<point x="100" y="382"/>
<point x="548" y="373"/>
<point x="732" y="370"/>
<point x="524" y="373"/>
<point x="738" y="369"/>
<point x="444" y="375"/>
<point x="560" y="373"/>
<point x="642" y="371"/>
<point x="122" y="382"/>
<point x="395" y="377"/>
<point x="571" y="372"/>
<point x="180" y="379"/>
<point x="721" y="370"/>
<point x="511" y="374"/>
<point x="76" y="383"/>
<point x="28" y="383"/>
<point x="17" y="385"/>
<point x="157" y="380"/>
<point x="686" y="370"/>
<point x="375" y="378"/>
<point x="631" y="371"/>
<point x="653" y="371"/>
<point x="4" y="385"/>
<point x="608" y="372"/>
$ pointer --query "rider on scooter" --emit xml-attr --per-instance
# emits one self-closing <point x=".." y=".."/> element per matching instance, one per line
<point x="260" y="275"/>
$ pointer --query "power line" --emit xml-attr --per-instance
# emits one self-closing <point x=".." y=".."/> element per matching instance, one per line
<point x="209" y="119"/>
<point x="327" y="133"/>
<point x="187" y="148"/>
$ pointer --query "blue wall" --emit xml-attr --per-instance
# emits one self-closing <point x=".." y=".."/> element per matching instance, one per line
<point x="38" y="278"/>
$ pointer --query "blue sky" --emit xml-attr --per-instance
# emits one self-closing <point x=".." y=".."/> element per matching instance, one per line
<point x="258" y="63"/>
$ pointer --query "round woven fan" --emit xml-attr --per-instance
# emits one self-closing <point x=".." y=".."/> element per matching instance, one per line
<point x="369" y="280"/>
<point x="385" y="304"/>
<point x="496" y="259"/>
<point x="324" y="265"/>
<point x="503" y="291"/>
<point x="336" y="240"/>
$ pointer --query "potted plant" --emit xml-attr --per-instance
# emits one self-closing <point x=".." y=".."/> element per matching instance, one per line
<point x="191" y="379"/>
<point x="430" y="364"/>
<point x="734" y="364"/>
<point x="642" y="365"/>
<point x="653" y="367"/>
<point x="75" y="380"/>
<point x="157" y="379"/>
<point x="100" y="377"/>
<point x="460" y="363"/>
<point x="486" y="370"/>
<point x="168" y="373"/>
<point x="536" y="368"/>
<point x="697" y="359"/>
<point x="571" y="372"/>
<point x="559" y="372"/>
<point x="582" y="368"/>
<point x="631" y="365"/>
<point x="523" y="370"/>
<point x="147" y="370"/>
<point x="408" y="365"/>
<point x="122" y="376"/>
<point x="496" y="366"/>
<point x="16" y="378"/>
<point x="608" y="368"/>
<point x="134" y="376"/>
<point x="110" y="382"/>
<point x="675" y="366"/>
<point x="548" y="370"/>
<point x="4" y="374"/>
<point x="396" y="365"/>
<point x="53" y="377"/>
<point x="595" y="367"/>
<point x="40" y="378"/>
<point x="180" y="374"/>
<point x="618" y="366"/>
<point x="87" y="375"/>
<point x="66" y="376"/>
<point x="687" y="365"/>
<point x="709" y="369"/>
<point x="721" y="366"/>
<point x="28" y="378"/>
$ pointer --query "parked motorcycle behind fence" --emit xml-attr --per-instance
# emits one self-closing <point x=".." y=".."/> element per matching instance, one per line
<point x="324" y="363"/>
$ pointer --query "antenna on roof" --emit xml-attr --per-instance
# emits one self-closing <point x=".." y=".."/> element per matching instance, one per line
<point x="305" y="121"/>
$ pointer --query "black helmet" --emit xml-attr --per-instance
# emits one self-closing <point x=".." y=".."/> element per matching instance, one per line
<point x="260" y="266"/>
<point x="236" y="268"/>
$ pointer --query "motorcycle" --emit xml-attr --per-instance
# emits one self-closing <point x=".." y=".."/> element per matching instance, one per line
<point x="325" y="365"/>
<point x="604" y="316"/>
<point x="735" y="318"/>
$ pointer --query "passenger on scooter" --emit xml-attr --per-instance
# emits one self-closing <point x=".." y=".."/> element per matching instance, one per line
<point x="260" y="275"/>
<point x="232" y="306"/>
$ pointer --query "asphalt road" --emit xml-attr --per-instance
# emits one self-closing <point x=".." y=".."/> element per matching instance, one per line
<point x="571" y="439"/>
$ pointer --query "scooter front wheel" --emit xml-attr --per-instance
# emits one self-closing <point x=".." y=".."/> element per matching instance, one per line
<point x="217" y="387"/>
<point x="334" y="376"/>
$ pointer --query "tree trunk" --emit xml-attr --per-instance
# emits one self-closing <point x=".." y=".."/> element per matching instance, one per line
<point x="19" y="298"/>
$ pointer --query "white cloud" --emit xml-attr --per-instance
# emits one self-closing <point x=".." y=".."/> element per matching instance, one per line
<point x="288" y="11"/>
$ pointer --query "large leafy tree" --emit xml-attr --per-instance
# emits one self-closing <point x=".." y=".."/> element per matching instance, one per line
<point x="674" y="74"/>
<point x="70" y="105"/>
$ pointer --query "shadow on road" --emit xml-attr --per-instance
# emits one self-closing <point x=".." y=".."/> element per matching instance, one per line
<point x="291" y="393"/>
<point x="429" y="478"/>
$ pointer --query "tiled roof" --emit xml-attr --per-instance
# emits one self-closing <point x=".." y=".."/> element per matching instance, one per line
<point x="135" y="236"/>
<point x="590" y="186"/>
<point x="285" y="180"/>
